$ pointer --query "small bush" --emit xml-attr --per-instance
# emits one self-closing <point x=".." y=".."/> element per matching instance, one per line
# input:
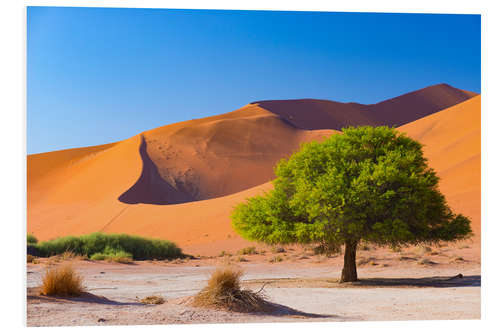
<point x="242" y="259"/>
<point x="61" y="281"/>
<point x="31" y="239"/>
<point x="248" y="250"/>
<point x="31" y="259"/>
<point x="224" y="291"/>
<point x="152" y="300"/>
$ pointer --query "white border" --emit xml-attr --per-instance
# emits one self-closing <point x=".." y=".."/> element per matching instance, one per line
<point x="13" y="170"/>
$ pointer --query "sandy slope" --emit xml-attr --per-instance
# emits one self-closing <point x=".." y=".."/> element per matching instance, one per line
<point x="131" y="186"/>
<point x="452" y="140"/>
<point x="181" y="181"/>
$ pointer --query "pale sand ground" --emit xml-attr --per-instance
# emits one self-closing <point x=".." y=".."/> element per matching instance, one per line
<point x="305" y="289"/>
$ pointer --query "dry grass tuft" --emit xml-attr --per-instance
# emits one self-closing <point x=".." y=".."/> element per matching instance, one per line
<point x="248" y="250"/>
<point x="224" y="291"/>
<point x="61" y="281"/>
<point x="31" y="259"/>
<point x="422" y="250"/>
<point x="278" y="249"/>
<point x="152" y="300"/>
<point x="276" y="259"/>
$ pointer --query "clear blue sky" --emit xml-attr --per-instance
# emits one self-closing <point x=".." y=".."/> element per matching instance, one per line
<point x="96" y="76"/>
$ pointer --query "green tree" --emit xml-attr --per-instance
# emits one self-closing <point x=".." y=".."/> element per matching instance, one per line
<point x="369" y="183"/>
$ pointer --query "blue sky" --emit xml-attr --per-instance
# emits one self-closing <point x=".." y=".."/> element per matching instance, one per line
<point x="99" y="75"/>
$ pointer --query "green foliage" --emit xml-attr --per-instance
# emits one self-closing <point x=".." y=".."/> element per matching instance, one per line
<point x="108" y="244"/>
<point x="369" y="183"/>
<point x="111" y="254"/>
<point x="31" y="239"/>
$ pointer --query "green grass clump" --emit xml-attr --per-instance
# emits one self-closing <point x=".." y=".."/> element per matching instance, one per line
<point x="111" y="246"/>
<point x="31" y="239"/>
<point x="110" y="255"/>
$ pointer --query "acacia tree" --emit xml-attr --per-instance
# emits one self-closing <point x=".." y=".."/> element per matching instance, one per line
<point x="369" y="183"/>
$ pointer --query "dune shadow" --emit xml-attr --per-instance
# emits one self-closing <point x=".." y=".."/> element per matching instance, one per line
<point x="434" y="281"/>
<point x="151" y="188"/>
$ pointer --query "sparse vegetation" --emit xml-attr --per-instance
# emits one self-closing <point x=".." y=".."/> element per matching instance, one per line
<point x="248" y="251"/>
<point x="395" y="248"/>
<point x="242" y="259"/>
<point x="364" y="247"/>
<point x="278" y="249"/>
<point x="97" y="243"/>
<point x="276" y="259"/>
<point x="327" y="249"/>
<point x="31" y="239"/>
<point x="421" y="250"/>
<point x="31" y="259"/>
<point x="152" y="300"/>
<point x="224" y="291"/>
<point x="225" y="254"/>
<point x="62" y="281"/>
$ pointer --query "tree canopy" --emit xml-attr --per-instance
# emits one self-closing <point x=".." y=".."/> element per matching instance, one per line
<point x="369" y="183"/>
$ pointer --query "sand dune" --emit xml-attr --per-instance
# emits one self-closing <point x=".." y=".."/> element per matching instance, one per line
<point x="181" y="181"/>
<point x="321" y="114"/>
<point x="452" y="140"/>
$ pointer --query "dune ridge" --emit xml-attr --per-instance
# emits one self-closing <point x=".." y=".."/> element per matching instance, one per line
<point x="322" y="114"/>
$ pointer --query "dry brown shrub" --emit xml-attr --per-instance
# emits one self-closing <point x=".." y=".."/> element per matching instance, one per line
<point x="224" y="291"/>
<point x="61" y="281"/>
<point x="153" y="300"/>
<point x="31" y="259"/>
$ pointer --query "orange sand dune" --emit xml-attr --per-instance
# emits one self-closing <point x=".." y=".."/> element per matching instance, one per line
<point x="321" y="114"/>
<point x="452" y="140"/>
<point x="132" y="186"/>
<point x="181" y="181"/>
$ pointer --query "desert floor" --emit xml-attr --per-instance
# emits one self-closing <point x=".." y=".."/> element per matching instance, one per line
<point x="411" y="284"/>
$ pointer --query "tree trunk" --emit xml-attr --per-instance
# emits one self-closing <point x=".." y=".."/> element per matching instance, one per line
<point x="349" y="273"/>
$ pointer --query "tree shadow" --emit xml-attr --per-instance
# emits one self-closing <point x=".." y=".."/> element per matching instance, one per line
<point x="434" y="281"/>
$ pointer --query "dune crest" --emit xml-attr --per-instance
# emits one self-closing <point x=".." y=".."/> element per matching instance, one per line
<point x="321" y="114"/>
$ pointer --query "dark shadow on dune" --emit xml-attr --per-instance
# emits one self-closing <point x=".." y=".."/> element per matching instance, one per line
<point x="151" y="188"/>
<point x="34" y="295"/>
<point x="434" y="281"/>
